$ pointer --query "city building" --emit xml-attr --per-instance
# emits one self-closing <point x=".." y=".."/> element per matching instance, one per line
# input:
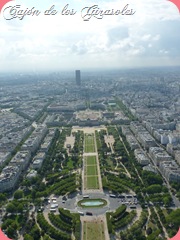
<point x="170" y="170"/>
<point x="141" y="157"/>
<point x="158" y="154"/>
<point x="38" y="160"/>
<point x="21" y="159"/>
<point x="31" y="174"/>
<point x="146" y="140"/>
<point x="150" y="168"/>
<point x="132" y="141"/>
<point x="177" y="155"/>
<point x="78" y="77"/>
<point x="8" y="178"/>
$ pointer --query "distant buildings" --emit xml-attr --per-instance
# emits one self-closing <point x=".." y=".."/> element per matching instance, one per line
<point x="78" y="77"/>
<point x="169" y="168"/>
<point x="40" y="139"/>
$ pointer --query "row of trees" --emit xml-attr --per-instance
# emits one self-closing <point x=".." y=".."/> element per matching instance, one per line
<point x="50" y="230"/>
<point x="115" y="183"/>
<point x="125" y="110"/>
<point x="57" y="221"/>
<point x="173" y="222"/>
<point x="119" y="219"/>
<point x="135" y="231"/>
<point x="73" y="220"/>
<point x="32" y="231"/>
<point x="101" y="145"/>
<point x="67" y="222"/>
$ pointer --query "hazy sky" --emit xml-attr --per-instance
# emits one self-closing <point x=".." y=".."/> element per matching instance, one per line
<point x="150" y="37"/>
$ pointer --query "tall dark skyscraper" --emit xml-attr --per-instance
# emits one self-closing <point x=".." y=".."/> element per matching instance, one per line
<point x="78" y="77"/>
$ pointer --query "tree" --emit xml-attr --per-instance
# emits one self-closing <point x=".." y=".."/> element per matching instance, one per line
<point x="7" y="223"/>
<point x="28" y="237"/>
<point x="11" y="208"/>
<point x="149" y="231"/>
<point x="33" y="194"/>
<point x="156" y="188"/>
<point x="2" y="197"/>
<point x="151" y="178"/>
<point x="20" y="208"/>
<point x="174" y="218"/>
<point x="11" y="232"/>
<point x="18" y="194"/>
<point x="167" y="200"/>
<point x="35" y="232"/>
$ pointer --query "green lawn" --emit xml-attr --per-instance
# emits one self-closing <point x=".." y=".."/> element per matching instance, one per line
<point x="89" y="148"/>
<point x="89" y="143"/>
<point x="92" y="182"/>
<point x="93" y="230"/>
<point x="91" y="170"/>
<point x="91" y="173"/>
<point x="91" y="160"/>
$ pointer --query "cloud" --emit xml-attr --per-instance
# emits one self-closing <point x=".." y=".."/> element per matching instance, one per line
<point x="149" y="37"/>
<point x="117" y="34"/>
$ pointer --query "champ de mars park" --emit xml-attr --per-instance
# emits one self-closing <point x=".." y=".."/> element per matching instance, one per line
<point x="95" y="191"/>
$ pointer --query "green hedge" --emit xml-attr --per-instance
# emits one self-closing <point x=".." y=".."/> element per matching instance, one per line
<point x="50" y="230"/>
<point x="59" y="223"/>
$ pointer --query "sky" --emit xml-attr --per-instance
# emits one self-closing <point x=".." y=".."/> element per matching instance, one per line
<point x="149" y="37"/>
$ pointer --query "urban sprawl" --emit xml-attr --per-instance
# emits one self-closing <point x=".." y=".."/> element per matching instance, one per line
<point x="90" y="155"/>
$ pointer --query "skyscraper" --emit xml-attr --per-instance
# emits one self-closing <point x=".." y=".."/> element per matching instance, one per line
<point x="78" y="77"/>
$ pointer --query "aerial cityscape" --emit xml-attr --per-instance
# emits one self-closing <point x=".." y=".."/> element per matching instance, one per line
<point x="89" y="120"/>
<point x="90" y="154"/>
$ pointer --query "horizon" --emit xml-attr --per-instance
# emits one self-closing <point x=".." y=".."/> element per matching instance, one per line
<point x="91" y="70"/>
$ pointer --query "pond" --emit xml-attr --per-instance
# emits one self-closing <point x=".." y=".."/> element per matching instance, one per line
<point x="92" y="203"/>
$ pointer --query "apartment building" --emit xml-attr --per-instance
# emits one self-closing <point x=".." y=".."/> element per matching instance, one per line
<point x="146" y="140"/>
<point x="8" y="178"/>
<point x="158" y="154"/>
<point x="21" y="159"/>
<point x="38" y="160"/>
<point x="133" y="143"/>
<point x="170" y="170"/>
<point x="141" y="157"/>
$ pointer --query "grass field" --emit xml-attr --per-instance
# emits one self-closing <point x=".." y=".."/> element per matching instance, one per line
<point x="92" y="182"/>
<point x="91" y="174"/>
<point x="91" y="160"/>
<point x="93" y="231"/>
<point x="89" y="143"/>
<point x="91" y="170"/>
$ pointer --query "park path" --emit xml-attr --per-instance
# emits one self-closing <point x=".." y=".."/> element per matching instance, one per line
<point x="127" y="172"/>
